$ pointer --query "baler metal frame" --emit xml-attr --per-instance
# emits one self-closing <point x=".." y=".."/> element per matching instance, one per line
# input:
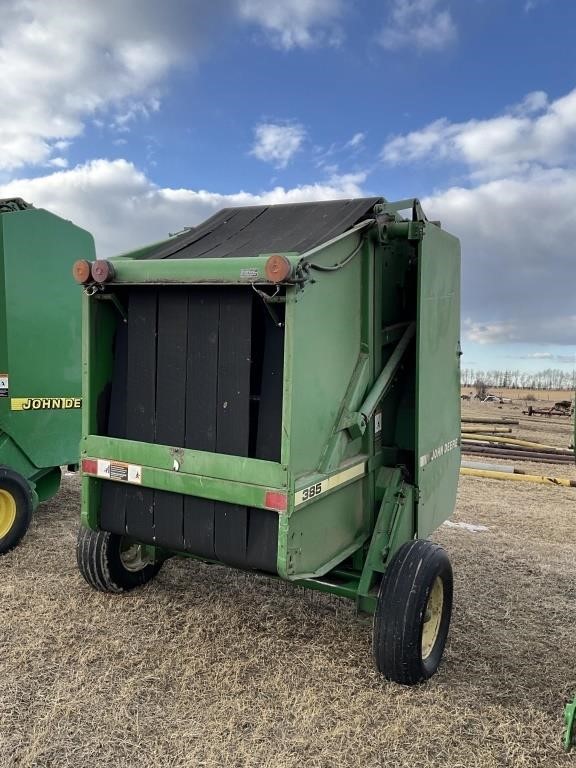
<point x="405" y="502"/>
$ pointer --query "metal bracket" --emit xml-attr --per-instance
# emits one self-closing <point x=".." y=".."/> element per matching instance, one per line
<point x="359" y="420"/>
<point x="393" y="494"/>
<point x="347" y="416"/>
<point x="112" y="298"/>
<point x="403" y="230"/>
<point x="570" y="720"/>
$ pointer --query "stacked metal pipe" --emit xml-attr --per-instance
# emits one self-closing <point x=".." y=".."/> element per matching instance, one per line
<point x="491" y="441"/>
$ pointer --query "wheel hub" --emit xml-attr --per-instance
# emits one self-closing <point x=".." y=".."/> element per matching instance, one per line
<point x="7" y="512"/>
<point x="432" y="618"/>
<point x="132" y="556"/>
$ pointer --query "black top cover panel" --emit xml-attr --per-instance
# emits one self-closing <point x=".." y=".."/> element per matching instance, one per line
<point x="247" y="231"/>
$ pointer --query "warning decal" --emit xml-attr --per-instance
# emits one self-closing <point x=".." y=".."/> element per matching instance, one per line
<point x="45" y="403"/>
<point x="250" y="273"/>
<point x="120" y="471"/>
<point x="3" y="385"/>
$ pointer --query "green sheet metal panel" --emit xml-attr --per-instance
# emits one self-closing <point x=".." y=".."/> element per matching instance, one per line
<point x="438" y="378"/>
<point x="323" y="343"/>
<point x="324" y="339"/>
<point x="319" y="535"/>
<point x="40" y="348"/>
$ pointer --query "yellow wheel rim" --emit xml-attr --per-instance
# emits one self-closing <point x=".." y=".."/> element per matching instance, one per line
<point x="432" y="618"/>
<point x="7" y="512"/>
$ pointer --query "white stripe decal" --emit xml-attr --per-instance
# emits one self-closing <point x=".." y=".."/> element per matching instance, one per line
<point x="317" y="489"/>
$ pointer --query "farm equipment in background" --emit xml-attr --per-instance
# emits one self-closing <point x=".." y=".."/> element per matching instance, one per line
<point x="262" y="391"/>
<point x="40" y="359"/>
<point x="562" y="408"/>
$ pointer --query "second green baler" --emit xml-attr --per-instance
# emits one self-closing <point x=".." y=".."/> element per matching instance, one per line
<point x="40" y="359"/>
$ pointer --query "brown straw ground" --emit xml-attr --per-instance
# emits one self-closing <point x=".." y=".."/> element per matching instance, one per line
<point x="211" y="667"/>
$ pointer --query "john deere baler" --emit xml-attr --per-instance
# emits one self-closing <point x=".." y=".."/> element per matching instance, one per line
<point x="277" y="390"/>
<point x="40" y="359"/>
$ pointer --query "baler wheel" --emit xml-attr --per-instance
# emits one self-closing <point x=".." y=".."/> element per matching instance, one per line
<point x="413" y="613"/>
<point x="16" y="507"/>
<point x="113" y="563"/>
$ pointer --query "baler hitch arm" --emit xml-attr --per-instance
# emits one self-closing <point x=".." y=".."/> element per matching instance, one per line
<point x="361" y="418"/>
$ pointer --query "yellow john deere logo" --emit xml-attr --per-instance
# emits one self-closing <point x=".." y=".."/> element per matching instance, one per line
<point x="45" y="403"/>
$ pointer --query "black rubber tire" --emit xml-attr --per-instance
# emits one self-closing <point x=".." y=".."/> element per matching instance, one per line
<point x="99" y="562"/>
<point x="20" y="490"/>
<point x="399" y="617"/>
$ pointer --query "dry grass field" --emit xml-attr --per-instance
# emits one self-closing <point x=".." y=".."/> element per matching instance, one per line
<point x="210" y="667"/>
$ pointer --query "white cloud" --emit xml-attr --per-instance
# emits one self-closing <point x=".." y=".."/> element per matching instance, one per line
<point x="530" y="5"/>
<point x="58" y="162"/>
<point x="356" y="141"/>
<point x="518" y="266"/>
<point x="69" y="61"/>
<point x="564" y="359"/>
<point x="533" y="102"/>
<point x="517" y="219"/>
<point x="295" y="23"/>
<point x="277" y="143"/>
<point x="535" y="133"/>
<point x="518" y="273"/>
<point x="423" y="24"/>
<point x="124" y="209"/>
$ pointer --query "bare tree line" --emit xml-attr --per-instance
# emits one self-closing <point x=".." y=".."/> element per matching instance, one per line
<point x="550" y="378"/>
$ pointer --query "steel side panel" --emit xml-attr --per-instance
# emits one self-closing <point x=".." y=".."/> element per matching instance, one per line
<point x="322" y="346"/>
<point x="202" y="463"/>
<point x="237" y="493"/>
<point x="324" y="343"/>
<point x="438" y="378"/>
<point x="318" y="536"/>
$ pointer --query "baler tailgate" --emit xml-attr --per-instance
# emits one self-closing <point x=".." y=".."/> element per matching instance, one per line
<point x="438" y="378"/>
<point x="203" y="371"/>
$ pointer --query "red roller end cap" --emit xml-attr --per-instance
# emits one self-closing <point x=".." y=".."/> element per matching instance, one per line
<point x="102" y="271"/>
<point x="81" y="271"/>
<point x="278" y="268"/>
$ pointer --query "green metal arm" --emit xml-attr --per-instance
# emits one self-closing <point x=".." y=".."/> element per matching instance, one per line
<point x="570" y="719"/>
<point x="382" y="384"/>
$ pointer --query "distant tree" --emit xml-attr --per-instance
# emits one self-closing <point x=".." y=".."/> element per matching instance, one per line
<point x="547" y="379"/>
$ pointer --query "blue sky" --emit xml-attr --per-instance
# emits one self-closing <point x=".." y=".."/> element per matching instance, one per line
<point x="135" y="118"/>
